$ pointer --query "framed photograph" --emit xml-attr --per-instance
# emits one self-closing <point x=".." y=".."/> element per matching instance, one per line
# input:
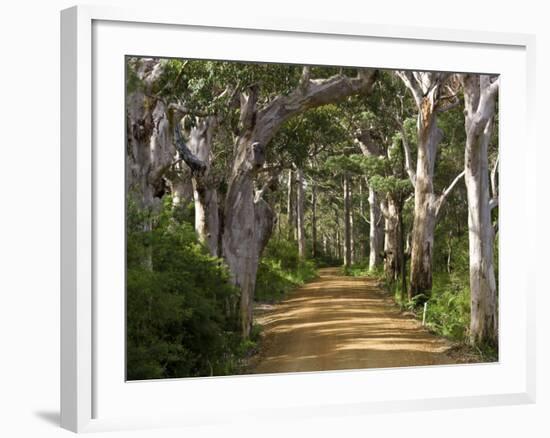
<point x="274" y="217"/>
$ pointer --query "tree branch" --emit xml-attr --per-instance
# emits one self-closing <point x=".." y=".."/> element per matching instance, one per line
<point x="494" y="177"/>
<point x="408" y="158"/>
<point x="412" y="84"/>
<point x="247" y="118"/>
<point x="447" y="191"/>
<point x="317" y="93"/>
<point x="364" y="217"/>
<point x="197" y="166"/>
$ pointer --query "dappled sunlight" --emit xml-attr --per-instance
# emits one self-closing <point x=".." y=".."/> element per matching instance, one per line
<point x="338" y="322"/>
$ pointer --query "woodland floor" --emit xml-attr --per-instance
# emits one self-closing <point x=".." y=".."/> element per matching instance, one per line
<point x="337" y="322"/>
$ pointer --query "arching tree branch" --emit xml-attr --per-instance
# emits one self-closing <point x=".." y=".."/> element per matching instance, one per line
<point x="196" y="165"/>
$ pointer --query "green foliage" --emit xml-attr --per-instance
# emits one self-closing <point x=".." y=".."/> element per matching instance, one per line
<point x="133" y="83"/>
<point x="281" y="270"/>
<point x="177" y="313"/>
<point x="448" y="310"/>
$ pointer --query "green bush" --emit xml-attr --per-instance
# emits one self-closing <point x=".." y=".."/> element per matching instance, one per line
<point x="178" y="319"/>
<point x="281" y="270"/>
<point x="448" y="309"/>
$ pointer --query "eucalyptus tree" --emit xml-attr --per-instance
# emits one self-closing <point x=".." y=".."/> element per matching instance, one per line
<point x="480" y="95"/>
<point x="375" y="122"/>
<point x="263" y="98"/>
<point x="149" y="147"/>
<point x="433" y="93"/>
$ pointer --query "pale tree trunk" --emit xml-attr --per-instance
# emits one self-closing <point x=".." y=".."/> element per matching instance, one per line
<point x="196" y="153"/>
<point x="427" y="90"/>
<point x="337" y="236"/>
<point x="376" y="232"/>
<point x="181" y="185"/>
<point x="291" y="204"/>
<point x="149" y="150"/>
<point x="392" y="266"/>
<point x="362" y="241"/>
<point x="314" y="220"/>
<point x="352" y="235"/>
<point x="300" y="213"/>
<point x="479" y="97"/>
<point x="347" y="221"/>
<point x="247" y="220"/>
<point x="247" y="228"/>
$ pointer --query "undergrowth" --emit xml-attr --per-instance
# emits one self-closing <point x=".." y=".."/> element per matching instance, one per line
<point x="281" y="270"/>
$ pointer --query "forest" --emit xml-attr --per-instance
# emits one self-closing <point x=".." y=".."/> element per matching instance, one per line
<point x="254" y="190"/>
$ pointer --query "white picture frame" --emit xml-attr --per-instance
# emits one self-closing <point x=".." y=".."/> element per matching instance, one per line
<point x="92" y="393"/>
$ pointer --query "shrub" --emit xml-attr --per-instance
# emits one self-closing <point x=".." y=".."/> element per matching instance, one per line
<point x="178" y="323"/>
<point x="281" y="270"/>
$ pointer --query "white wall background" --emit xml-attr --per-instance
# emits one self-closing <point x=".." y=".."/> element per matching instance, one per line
<point x="29" y="218"/>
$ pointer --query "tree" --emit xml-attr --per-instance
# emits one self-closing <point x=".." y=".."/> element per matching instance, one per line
<point x="248" y="221"/>
<point x="347" y="221"/>
<point x="480" y="94"/>
<point x="300" y="201"/>
<point x="432" y="93"/>
<point x="376" y="228"/>
<point x="196" y="153"/>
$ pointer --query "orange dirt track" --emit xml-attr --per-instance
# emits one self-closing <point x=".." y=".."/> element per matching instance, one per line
<point x="338" y="322"/>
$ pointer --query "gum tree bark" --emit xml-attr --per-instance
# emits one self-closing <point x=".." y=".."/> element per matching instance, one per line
<point x="300" y="201"/>
<point x="180" y="184"/>
<point x="314" y="220"/>
<point x="376" y="229"/>
<point x="291" y="205"/>
<point x="150" y="149"/>
<point x="249" y="222"/>
<point x="480" y="94"/>
<point x="196" y="153"/>
<point x="427" y="89"/>
<point x="347" y="221"/>
<point x="392" y="238"/>
<point x="376" y="232"/>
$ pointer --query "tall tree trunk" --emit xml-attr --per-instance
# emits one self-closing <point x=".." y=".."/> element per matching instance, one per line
<point x="376" y="232"/>
<point x="337" y="236"/>
<point x="314" y="220"/>
<point x="425" y="203"/>
<point x="392" y="238"/>
<point x="196" y="151"/>
<point x="370" y="148"/>
<point x="291" y="204"/>
<point x="479" y="96"/>
<point x="149" y="149"/>
<point x="300" y="213"/>
<point x="402" y="256"/>
<point x="247" y="227"/>
<point x="351" y="228"/>
<point x="347" y="221"/>
<point x="426" y="88"/>
<point x="362" y="240"/>
<point x="207" y="223"/>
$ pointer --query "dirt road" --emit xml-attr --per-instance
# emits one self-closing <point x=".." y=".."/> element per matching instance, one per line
<point x="338" y="322"/>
